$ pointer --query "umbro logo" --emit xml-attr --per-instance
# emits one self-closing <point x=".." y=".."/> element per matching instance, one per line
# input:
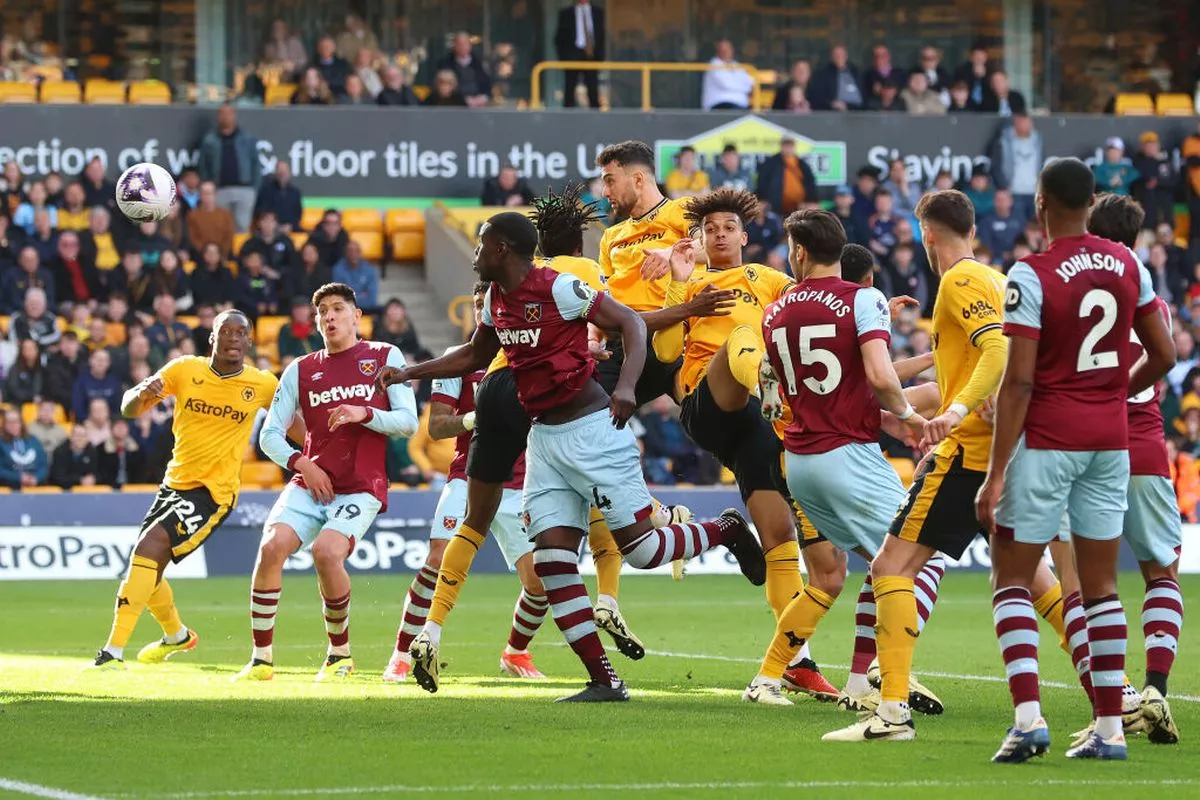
<point x="316" y="376"/>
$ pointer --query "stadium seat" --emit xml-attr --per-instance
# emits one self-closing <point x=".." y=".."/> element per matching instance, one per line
<point x="1134" y="105"/>
<point x="280" y="94"/>
<point x="41" y="490"/>
<point x="91" y="490"/>
<point x="264" y="474"/>
<point x="408" y="246"/>
<point x="3" y="325"/>
<point x="266" y="331"/>
<point x="421" y="92"/>
<point x="365" y="326"/>
<point x="102" y="92"/>
<point x="299" y="239"/>
<point x="116" y="333"/>
<point x="131" y="488"/>
<point x="189" y="267"/>
<point x="408" y="220"/>
<point x="190" y="321"/>
<point x="6" y="490"/>
<point x="17" y="92"/>
<point x="28" y="412"/>
<point x="239" y="239"/>
<point x="311" y="218"/>
<point x="149" y="93"/>
<point x="371" y="243"/>
<point x="365" y="220"/>
<point x="60" y="92"/>
<point x="904" y="468"/>
<point x="1175" y="105"/>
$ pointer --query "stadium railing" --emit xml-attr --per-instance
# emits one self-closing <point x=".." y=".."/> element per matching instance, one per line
<point x="646" y="68"/>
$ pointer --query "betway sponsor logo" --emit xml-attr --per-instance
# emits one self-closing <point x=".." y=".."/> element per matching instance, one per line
<point x="338" y="394"/>
<point x="102" y="552"/>
<point x="198" y="406"/>
<point x="513" y="336"/>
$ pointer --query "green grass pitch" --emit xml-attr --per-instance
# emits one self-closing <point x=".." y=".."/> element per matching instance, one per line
<point x="183" y="730"/>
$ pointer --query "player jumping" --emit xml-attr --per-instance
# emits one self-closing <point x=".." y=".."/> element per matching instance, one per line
<point x="216" y="401"/>
<point x="1061" y="446"/>
<point x="580" y="452"/>
<point x="340" y="482"/>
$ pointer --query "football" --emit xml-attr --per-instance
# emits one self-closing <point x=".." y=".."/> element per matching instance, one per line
<point x="145" y="192"/>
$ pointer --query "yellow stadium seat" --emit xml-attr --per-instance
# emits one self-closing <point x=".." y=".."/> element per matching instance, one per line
<point x="116" y="333"/>
<point x="189" y="267"/>
<point x="266" y="331"/>
<point x="904" y="468"/>
<point x="365" y="326"/>
<point x="280" y="94"/>
<point x="264" y="474"/>
<point x="3" y="325"/>
<point x="60" y="92"/>
<point x="1134" y="105"/>
<point x="311" y="218"/>
<point x="365" y="220"/>
<point x="408" y="246"/>
<point x="405" y="219"/>
<point x="149" y="93"/>
<point x="239" y="239"/>
<point x="101" y="92"/>
<point x="91" y="489"/>
<point x="6" y="490"/>
<point x="299" y="239"/>
<point x="371" y="243"/>
<point x="28" y="412"/>
<point x="190" y="321"/>
<point x="421" y="92"/>
<point x="139" y="487"/>
<point x="41" y="490"/>
<point x="1175" y="105"/>
<point x="17" y="92"/>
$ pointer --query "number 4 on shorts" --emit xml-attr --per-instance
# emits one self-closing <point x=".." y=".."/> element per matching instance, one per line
<point x="600" y="501"/>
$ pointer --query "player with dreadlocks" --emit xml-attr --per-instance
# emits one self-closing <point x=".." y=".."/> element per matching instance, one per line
<point x="500" y="428"/>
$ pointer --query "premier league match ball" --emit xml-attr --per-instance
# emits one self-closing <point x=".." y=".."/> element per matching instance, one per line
<point x="145" y="193"/>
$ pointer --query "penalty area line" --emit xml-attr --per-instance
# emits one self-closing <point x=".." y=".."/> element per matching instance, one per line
<point x="37" y="790"/>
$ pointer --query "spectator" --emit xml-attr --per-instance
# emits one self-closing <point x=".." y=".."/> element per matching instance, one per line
<point x="799" y="78"/>
<point x="121" y="459"/>
<point x="687" y="179"/>
<point x="797" y="101"/>
<point x="396" y="91"/>
<point x="333" y="68"/>
<point x="174" y="229"/>
<point x="764" y="233"/>
<point x="149" y="243"/>
<point x="11" y="241"/>
<point x="209" y="223"/>
<point x="881" y="72"/>
<point x="506" y="189"/>
<point x="98" y="422"/>
<point x="919" y="98"/>
<point x="843" y="207"/>
<point x="906" y="233"/>
<point x="37" y="201"/>
<point x="999" y="230"/>
<point x="580" y="36"/>
<point x="728" y="172"/>
<point x="906" y="278"/>
<point x="281" y="198"/>
<point x="299" y="336"/>
<point x="975" y="73"/>
<point x="313" y="90"/>
<point x="98" y="190"/>
<point x="669" y="454"/>
<point x="76" y="280"/>
<point x="23" y="462"/>
<point x="74" y="213"/>
<point x="595" y="195"/>
<point x="1017" y="159"/>
<point x="16" y="283"/>
<point x="276" y="248"/>
<point x="285" y="49"/>
<point x="26" y="378"/>
<point x="474" y="84"/>
<point x="1157" y="182"/>
<point x="188" y="187"/>
<point x="134" y="282"/>
<point x="980" y="191"/>
<point x="836" y="87"/>
<point x="256" y="291"/>
<point x="330" y="239"/>
<point x="54" y="189"/>
<point x="212" y="282"/>
<point x="942" y="182"/>
<point x="960" y="99"/>
<point x="311" y="274"/>
<point x="1156" y="263"/>
<point x="364" y="68"/>
<point x="881" y="228"/>
<point x="45" y="428"/>
<point x="1003" y="99"/>
<point x="97" y="338"/>
<point x="359" y="275"/>
<point x="905" y="193"/>
<point x="865" y="183"/>
<point x="1115" y="174"/>
<point x="1189" y="151"/>
<point x="35" y="320"/>
<point x="81" y="318"/>
<point x="929" y="64"/>
<point x="44" y="238"/>
<point x="727" y="84"/>
<point x="75" y="461"/>
<point x="445" y="91"/>
<point x="229" y="158"/>
<point x="170" y="279"/>
<point x="888" y="99"/>
<point x="13" y="192"/>
<point x="96" y="383"/>
<point x="205" y="314"/>
<point x="167" y="331"/>
<point x="395" y="328"/>
<point x="785" y="180"/>
<point x="1179" y="269"/>
<point x="356" y="38"/>
<point x="63" y="369"/>
<point x="356" y="93"/>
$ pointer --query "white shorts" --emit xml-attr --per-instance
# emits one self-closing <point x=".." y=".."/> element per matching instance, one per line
<point x="579" y="464"/>
<point x="349" y="514"/>
<point x="1152" y="523"/>
<point x="1040" y="486"/>
<point x="506" y="526"/>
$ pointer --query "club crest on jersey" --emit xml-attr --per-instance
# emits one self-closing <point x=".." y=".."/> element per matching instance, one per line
<point x="525" y="519"/>
<point x="450" y="523"/>
<point x="367" y="366"/>
<point x="751" y="274"/>
<point x="248" y="394"/>
<point x="533" y="312"/>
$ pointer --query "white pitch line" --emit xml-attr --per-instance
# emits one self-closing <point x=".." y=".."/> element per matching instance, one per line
<point x="37" y="790"/>
<point x="562" y="788"/>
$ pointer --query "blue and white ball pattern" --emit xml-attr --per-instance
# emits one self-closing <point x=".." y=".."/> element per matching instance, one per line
<point x="145" y="193"/>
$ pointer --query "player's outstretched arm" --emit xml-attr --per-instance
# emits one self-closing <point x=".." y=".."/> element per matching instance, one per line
<point x="478" y="353"/>
<point x="909" y="368"/>
<point x="1160" y="355"/>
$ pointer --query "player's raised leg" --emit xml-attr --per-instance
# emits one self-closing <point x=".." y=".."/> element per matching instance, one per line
<point x="451" y="509"/>
<point x="606" y="556"/>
